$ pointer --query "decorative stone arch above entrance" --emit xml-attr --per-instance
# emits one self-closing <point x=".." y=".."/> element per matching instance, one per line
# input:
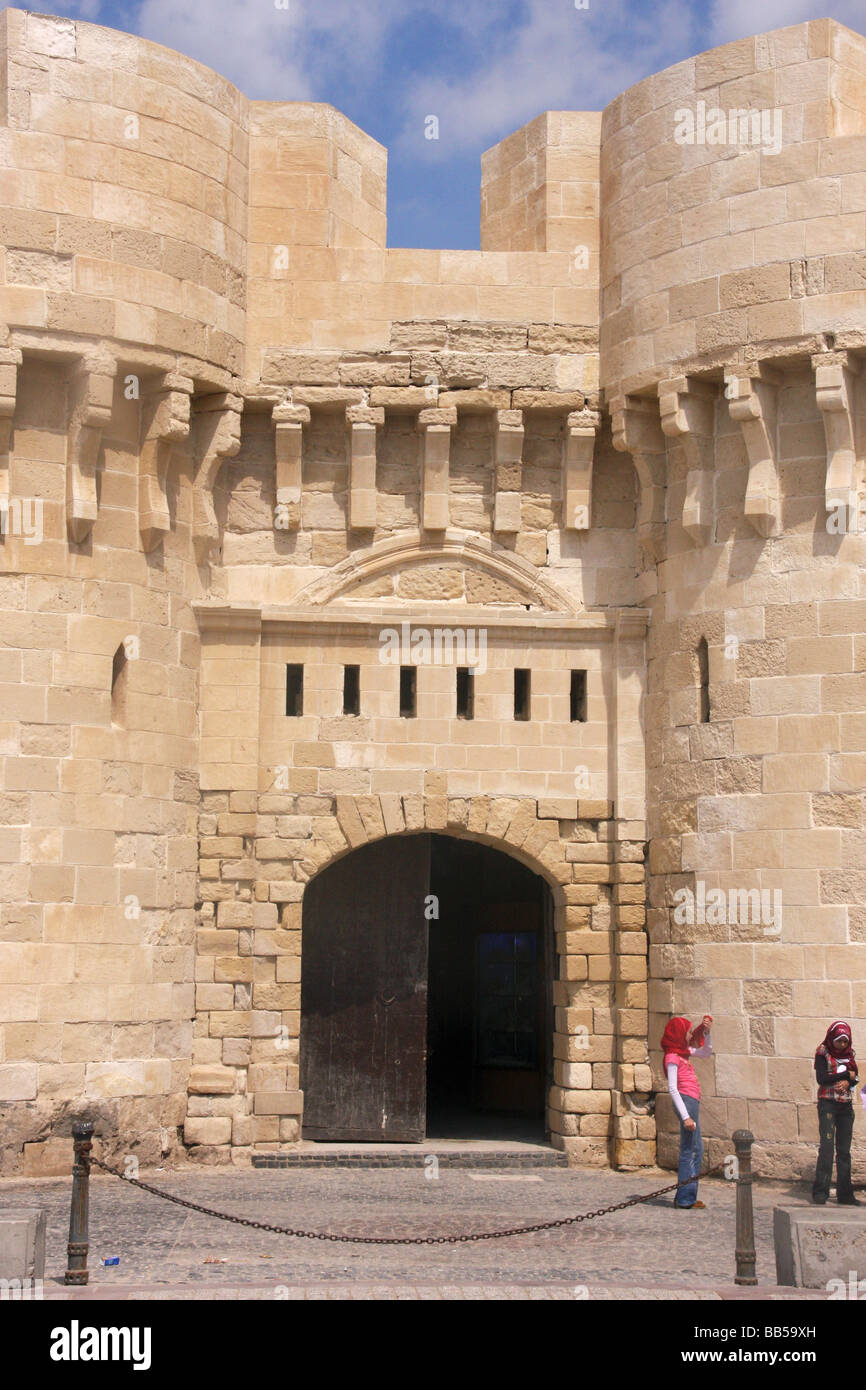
<point x="512" y="580"/>
<point x="244" y="1084"/>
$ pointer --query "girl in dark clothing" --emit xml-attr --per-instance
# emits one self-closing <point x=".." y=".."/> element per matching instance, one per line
<point x="836" y="1072"/>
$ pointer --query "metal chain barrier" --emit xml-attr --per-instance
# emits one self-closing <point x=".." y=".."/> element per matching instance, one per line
<point x="401" y="1240"/>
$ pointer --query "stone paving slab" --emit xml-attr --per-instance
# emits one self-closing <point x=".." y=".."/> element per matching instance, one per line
<point x="165" y="1250"/>
<point x="467" y="1292"/>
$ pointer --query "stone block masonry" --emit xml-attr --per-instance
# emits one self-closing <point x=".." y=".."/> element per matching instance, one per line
<point x="22" y="1244"/>
<point x="246" y="448"/>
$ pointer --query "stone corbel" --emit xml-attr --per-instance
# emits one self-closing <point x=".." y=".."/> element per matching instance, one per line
<point x="835" y="384"/>
<point x="753" y="401"/>
<point x="165" y="418"/>
<point x="91" y="389"/>
<point x="637" y="431"/>
<point x="435" y="428"/>
<point x="217" y="437"/>
<point x="688" y="416"/>
<point x="581" y="428"/>
<point x="289" y="421"/>
<point x="508" y="466"/>
<point x="362" y="422"/>
<point x="10" y="361"/>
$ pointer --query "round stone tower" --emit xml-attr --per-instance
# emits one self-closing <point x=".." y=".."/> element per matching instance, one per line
<point x="733" y="217"/>
<point x="121" y="327"/>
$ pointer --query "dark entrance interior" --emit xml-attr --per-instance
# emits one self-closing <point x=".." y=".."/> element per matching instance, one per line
<point x="487" y="1011"/>
<point x="426" y="1004"/>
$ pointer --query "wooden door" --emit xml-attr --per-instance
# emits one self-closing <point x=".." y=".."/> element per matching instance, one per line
<point x="364" y="994"/>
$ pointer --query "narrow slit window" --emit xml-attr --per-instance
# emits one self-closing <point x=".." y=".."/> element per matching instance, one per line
<point x="704" y="676"/>
<point x="578" y="697"/>
<point x="119" y="666"/>
<point x="351" y="690"/>
<point x="294" y="690"/>
<point x="521" y="693"/>
<point x="408" y="691"/>
<point x="465" y="693"/>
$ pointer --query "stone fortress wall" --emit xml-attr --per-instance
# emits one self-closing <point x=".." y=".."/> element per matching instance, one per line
<point x="733" y="327"/>
<point x="256" y="435"/>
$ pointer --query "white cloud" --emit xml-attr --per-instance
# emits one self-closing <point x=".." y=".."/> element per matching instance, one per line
<point x="252" y="43"/>
<point x="73" y="9"/>
<point x="559" y="58"/>
<point x="278" y="53"/>
<point x="738" y="19"/>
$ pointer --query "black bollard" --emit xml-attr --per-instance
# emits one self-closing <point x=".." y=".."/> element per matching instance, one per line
<point x="76" y="1250"/>
<point x="745" y="1239"/>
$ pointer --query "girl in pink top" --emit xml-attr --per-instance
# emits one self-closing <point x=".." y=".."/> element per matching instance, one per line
<point x="680" y="1042"/>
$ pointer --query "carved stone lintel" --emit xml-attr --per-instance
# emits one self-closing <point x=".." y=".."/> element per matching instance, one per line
<point x="508" y="470"/>
<point x="10" y="361"/>
<point x="91" y="393"/>
<point x="637" y="431"/>
<point x="165" y="417"/>
<point x="688" y="415"/>
<point x="753" y="401"/>
<point x="835" y="385"/>
<point x="217" y="437"/>
<point x="362" y="423"/>
<point x="327" y="397"/>
<point x="435" y="429"/>
<point x="289" y="421"/>
<point x="581" y="428"/>
<point x="405" y="398"/>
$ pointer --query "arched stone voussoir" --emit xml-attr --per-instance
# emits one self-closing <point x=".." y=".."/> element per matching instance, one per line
<point x="507" y="823"/>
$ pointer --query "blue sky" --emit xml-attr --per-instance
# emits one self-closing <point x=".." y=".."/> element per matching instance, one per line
<point x="482" y="67"/>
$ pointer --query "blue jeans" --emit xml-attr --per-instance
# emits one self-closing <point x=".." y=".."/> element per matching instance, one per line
<point x="691" y="1155"/>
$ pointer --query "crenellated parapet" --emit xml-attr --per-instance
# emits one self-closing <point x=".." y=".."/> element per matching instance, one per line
<point x="690" y="411"/>
<point x="436" y="413"/>
<point x="191" y="421"/>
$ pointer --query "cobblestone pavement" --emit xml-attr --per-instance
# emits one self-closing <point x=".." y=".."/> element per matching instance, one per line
<point x="164" y="1250"/>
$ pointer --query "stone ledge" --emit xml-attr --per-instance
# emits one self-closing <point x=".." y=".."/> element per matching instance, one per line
<point x="22" y="1243"/>
<point x="815" y="1244"/>
<point x="400" y="1156"/>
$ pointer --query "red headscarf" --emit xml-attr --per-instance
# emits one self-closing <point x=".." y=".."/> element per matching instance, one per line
<point x="836" y="1033"/>
<point x="675" y="1038"/>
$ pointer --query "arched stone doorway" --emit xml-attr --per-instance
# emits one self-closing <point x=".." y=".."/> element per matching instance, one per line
<point x="245" y="1089"/>
<point x="426" y="1007"/>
